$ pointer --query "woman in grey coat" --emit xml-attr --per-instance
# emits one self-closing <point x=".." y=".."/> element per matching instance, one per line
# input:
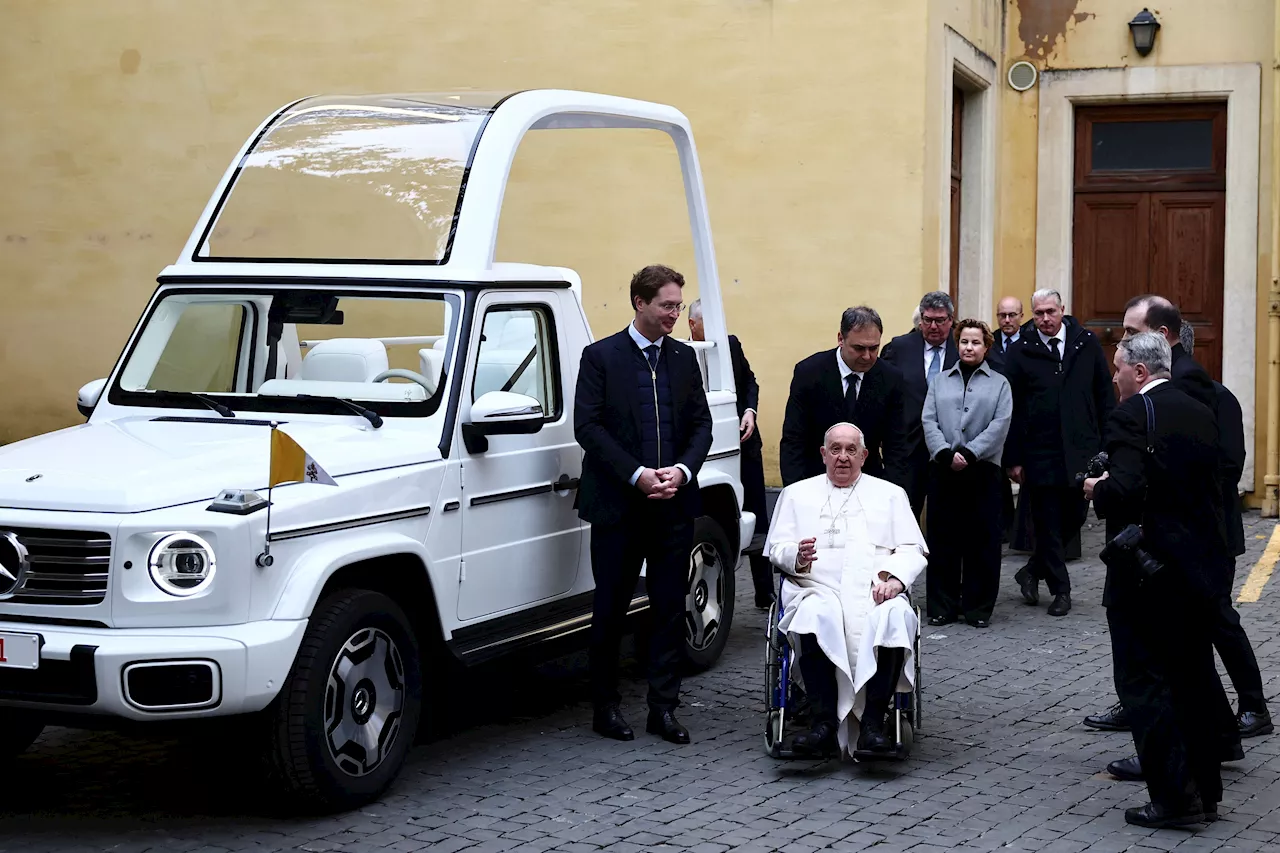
<point x="966" y="419"/>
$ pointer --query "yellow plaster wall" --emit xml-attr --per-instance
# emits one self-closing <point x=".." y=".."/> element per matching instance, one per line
<point x="1063" y="34"/>
<point x="121" y="116"/>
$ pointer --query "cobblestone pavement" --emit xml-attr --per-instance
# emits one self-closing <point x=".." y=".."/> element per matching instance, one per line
<point x="1002" y="763"/>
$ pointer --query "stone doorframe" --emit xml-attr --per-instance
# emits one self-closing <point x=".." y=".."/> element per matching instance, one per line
<point x="1240" y="86"/>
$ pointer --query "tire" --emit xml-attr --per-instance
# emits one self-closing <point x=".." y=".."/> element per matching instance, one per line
<point x="17" y="732"/>
<point x="709" y="595"/>
<point x="358" y="663"/>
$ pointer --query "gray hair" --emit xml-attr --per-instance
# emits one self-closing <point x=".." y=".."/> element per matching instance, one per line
<point x="695" y="309"/>
<point x="859" y="318"/>
<point x="1046" y="293"/>
<point x="1149" y="349"/>
<point x="937" y="300"/>
<point x="1187" y="336"/>
<point x="862" y="442"/>
<point x="915" y="318"/>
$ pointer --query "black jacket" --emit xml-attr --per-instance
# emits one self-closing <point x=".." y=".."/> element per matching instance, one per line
<point x="1059" y="408"/>
<point x="744" y="380"/>
<point x="1193" y="380"/>
<point x="816" y="402"/>
<point x="1172" y="492"/>
<point x="906" y="353"/>
<point x="606" y="423"/>
<point x="1231" y="450"/>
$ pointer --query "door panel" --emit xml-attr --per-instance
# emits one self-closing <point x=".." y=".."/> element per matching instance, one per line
<point x="1187" y="262"/>
<point x="1112" y="259"/>
<point x="521" y="536"/>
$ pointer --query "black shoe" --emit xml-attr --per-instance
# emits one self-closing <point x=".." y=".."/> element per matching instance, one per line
<point x="979" y="623"/>
<point x="820" y="742"/>
<point x="1114" y="719"/>
<point x="937" y="621"/>
<point x="1061" y="604"/>
<point x="873" y="738"/>
<point x="1126" y="769"/>
<point x="1152" y="816"/>
<point x="1235" y="752"/>
<point x="608" y="722"/>
<point x="1029" y="585"/>
<point x="665" y="723"/>
<point x="1254" y="724"/>
<point x="764" y="603"/>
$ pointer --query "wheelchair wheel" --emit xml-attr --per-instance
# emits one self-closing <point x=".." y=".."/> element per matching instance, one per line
<point x="917" y="699"/>
<point x="777" y="664"/>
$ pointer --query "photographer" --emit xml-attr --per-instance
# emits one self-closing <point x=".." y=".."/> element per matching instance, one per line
<point x="1163" y="574"/>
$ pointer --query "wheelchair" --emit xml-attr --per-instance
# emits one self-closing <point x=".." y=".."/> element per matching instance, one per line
<point x="784" y="697"/>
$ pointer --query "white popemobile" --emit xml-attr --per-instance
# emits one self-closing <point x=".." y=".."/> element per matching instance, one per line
<point x="340" y="285"/>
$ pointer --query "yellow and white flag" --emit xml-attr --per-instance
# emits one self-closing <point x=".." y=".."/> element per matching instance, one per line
<point x="291" y="464"/>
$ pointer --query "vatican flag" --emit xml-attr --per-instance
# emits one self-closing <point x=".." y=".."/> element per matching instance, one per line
<point x="291" y="464"/>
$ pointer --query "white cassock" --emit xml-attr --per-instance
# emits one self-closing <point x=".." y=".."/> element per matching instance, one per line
<point x="864" y="533"/>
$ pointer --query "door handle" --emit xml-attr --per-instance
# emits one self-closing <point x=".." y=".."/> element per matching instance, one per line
<point x="565" y="483"/>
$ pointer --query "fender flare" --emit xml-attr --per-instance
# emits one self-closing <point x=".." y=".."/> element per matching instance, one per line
<point x="312" y="570"/>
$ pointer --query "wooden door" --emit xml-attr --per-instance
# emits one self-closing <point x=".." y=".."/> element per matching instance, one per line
<point x="1150" y="201"/>
<point x="957" y="153"/>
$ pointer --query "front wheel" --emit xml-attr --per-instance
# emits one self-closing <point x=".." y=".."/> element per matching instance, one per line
<point x="346" y="718"/>
<point x="708" y="603"/>
<point x="17" y="732"/>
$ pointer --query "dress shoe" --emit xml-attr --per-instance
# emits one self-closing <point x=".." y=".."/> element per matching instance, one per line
<point x="764" y="602"/>
<point x="1061" y="604"/>
<point x="872" y="737"/>
<point x="979" y="623"/>
<point x="608" y="722"/>
<point x="1153" y="816"/>
<point x="1114" y="719"/>
<point x="1126" y="769"/>
<point x="938" y="621"/>
<point x="820" y="742"/>
<point x="1235" y="752"/>
<point x="1254" y="724"/>
<point x="665" y="723"/>
<point x="1029" y="585"/>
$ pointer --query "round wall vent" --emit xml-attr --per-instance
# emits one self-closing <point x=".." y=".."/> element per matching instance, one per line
<point x="1022" y="75"/>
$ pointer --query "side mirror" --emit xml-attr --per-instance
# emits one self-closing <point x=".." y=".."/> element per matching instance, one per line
<point x="88" y="396"/>
<point x="501" y="413"/>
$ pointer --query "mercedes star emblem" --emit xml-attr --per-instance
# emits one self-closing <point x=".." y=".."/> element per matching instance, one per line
<point x="13" y="563"/>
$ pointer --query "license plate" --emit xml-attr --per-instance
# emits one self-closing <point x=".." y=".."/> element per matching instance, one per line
<point x="20" y="651"/>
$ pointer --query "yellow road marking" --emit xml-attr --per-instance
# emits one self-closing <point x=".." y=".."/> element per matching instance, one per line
<point x="1261" y="572"/>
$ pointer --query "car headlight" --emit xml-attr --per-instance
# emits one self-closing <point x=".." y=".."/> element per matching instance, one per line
<point x="181" y="564"/>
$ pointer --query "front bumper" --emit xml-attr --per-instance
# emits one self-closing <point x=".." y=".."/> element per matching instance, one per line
<point x="82" y="670"/>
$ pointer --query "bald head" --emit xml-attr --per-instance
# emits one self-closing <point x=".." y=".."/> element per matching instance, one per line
<point x="1152" y="313"/>
<point x="843" y="452"/>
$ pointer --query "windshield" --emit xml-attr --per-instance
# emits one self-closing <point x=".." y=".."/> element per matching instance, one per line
<point x="292" y="350"/>
<point x="351" y="179"/>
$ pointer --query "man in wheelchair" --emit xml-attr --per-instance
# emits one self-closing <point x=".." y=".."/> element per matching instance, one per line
<point x="849" y="547"/>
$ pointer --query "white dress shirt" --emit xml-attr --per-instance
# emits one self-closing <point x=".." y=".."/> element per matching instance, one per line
<point x="642" y="342"/>
<point x="845" y="372"/>
<point x="928" y="356"/>
<point x="1061" y="336"/>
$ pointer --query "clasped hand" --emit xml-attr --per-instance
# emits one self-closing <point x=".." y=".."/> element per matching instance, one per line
<point x="660" y="484"/>
<point x="885" y="590"/>
<point x="1093" y="481"/>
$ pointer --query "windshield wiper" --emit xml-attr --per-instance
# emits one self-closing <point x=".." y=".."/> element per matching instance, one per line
<point x="368" y="414"/>
<point x="191" y="395"/>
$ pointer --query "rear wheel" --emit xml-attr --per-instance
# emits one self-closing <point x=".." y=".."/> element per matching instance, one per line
<point x="17" y="732"/>
<point x="346" y="718"/>
<point x="709" y="590"/>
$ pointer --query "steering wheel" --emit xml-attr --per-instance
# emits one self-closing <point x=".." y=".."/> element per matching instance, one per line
<point x="401" y="373"/>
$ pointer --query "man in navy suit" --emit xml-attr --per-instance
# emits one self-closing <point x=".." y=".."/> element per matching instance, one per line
<point x="641" y="417"/>
<point x="919" y="356"/>
<point x="1009" y="324"/>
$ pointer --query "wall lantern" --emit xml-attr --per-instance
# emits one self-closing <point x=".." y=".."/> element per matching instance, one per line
<point x="1143" y="27"/>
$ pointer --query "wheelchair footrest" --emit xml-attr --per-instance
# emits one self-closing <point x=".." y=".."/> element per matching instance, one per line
<point x="786" y="753"/>
<point x="898" y="754"/>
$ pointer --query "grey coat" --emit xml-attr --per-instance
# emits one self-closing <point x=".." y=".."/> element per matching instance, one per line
<point x="975" y="418"/>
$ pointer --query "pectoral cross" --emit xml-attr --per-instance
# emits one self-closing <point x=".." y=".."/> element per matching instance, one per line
<point x="831" y="533"/>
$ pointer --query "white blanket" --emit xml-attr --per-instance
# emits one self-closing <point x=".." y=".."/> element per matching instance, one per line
<point x="864" y="534"/>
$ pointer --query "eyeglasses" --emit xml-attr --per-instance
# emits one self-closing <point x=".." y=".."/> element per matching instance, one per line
<point x="1008" y="315"/>
<point x="670" y="307"/>
<point x="935" y="321"/>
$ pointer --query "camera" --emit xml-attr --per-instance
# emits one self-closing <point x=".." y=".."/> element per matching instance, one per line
<point x="1096" y="468"/>
<point x="1127" y="548"/>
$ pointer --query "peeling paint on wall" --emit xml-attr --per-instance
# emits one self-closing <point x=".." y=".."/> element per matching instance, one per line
<point x="1043" y="22"/>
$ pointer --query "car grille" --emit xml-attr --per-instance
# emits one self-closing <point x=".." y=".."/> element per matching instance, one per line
<point x="65" y="566"/>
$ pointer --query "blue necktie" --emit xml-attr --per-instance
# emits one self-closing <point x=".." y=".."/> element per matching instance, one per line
<point x="935" y="364"/>
<point x="651" y="353"/>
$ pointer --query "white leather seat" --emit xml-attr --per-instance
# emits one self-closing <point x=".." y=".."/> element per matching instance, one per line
<point x="344" y="360"/>
<point x="430" y="362"/>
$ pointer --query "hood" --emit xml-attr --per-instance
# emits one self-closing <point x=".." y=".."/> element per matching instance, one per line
<point x="139" y="464"/>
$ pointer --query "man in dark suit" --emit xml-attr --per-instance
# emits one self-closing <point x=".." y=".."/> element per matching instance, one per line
<point x="642" y="419"/>
<point x="919" y="356"/>
<point x="1061" y="398"/>
<point x="1163" y="475"/>
<point x="1150" y="313"/>
<point x="848" y="384"/>
<point x="751" y="459"/>
<point x="1009" y="324"/>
